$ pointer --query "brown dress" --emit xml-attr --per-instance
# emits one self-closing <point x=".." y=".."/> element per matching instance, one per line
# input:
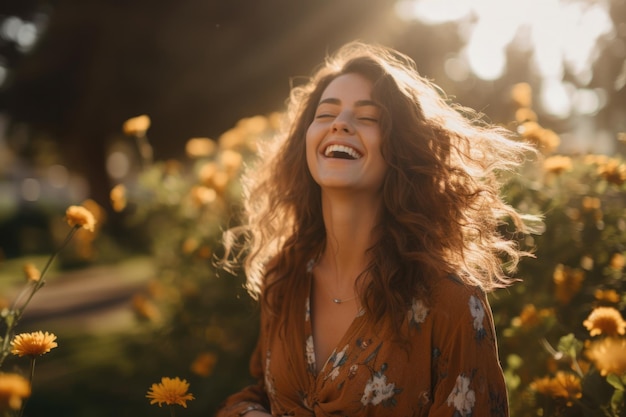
<point x="449" y="367"/>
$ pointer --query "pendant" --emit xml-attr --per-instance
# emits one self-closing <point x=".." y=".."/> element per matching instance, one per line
<point x="336" y="301"/>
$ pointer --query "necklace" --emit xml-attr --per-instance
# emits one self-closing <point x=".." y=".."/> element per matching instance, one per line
<point x="340" y="301"/>
<point x="310" y="266"/>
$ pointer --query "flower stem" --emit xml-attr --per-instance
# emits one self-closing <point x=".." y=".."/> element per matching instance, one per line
<point x="172" y="412"/>
<point x="42" y="280"/>
<point x="31" y="377"/>
<point x="15" y="313"/>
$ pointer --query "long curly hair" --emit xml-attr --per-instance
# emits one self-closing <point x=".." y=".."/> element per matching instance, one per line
<point x="442" y="209"/>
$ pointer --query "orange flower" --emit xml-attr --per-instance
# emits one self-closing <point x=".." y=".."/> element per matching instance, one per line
<point x="31" y="272"/>
<point x="231" y="161"/>
<point x="13" y="389"/>
<point x="78" y="216"/>
<point x="606" y="321"/>
<point x="568" y="282"/>
<point x="617" y="261"/>
<point x="204" y="363"/>
<point x="521" y="94"/>
<point x="607" y="296"/>
<point x="33" y="344"/>
<point x="170" y="391"/>
<point x="525" y="114"/>
<point x="545" y="139"/>
<point x="118" y="197"/>
<point x="201" y="195"/>
<point x="608" y="355"/>
<point x="591" y="203"/>
<point x="137" y="126"/>
<point x="530" y="317"/>
<point x="146" y="309"/>
<point x="200" y="147"/>
<point x="558" y="164"/>
<point x="563" y="385"/>
<point x="613" y="171"/>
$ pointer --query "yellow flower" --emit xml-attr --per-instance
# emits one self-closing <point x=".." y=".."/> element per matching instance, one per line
<point x="593" y="159"/>
<point x="545" y="139"/>
<point x="33" y="344"/>
<point x="31" y="272"/>
<point x="524" y="114"/>
<point x="608" y="355"/>
<point x="118" y="197"/>
<point x="605" y="320"/>
<point x="530" y="317"/>
<point x="563" y="385"/>
<point x="613" y="171"/>
<point x="558" y="164"/>
<point x="170" y="391"/>
<point x="137" y="126"/>
<point x="204" y="363"/>
<point x="568" y="282"/>
<point x="80" y="216"/>
<point x="201" y="195"/>
<point x="521" y="94"/>
<point x="200" y="147"/>
<point x="617" y="261"/>
<point x="145" y="308"/>
<point x="607" y="296"/>
<point x="591" y="203"/>
<point x="231" y="161"/>
<point x="13" y="389"/>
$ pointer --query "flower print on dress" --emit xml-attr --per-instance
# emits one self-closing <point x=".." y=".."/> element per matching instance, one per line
<point x="352" y="371"/>
<point x="337" y="360"/>
<point x="418" y="312"/>
<point x="307" y="310"/>
<point x="269" y="379"/>
<point x="462" y="398"/>
<point x="310" y="355"/>
<point x="378" y="391"/>
<point x="478" y="313"/>
<point x="363" y="343"/>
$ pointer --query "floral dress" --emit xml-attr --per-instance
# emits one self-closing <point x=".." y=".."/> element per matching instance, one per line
<point x="449" y="367"/>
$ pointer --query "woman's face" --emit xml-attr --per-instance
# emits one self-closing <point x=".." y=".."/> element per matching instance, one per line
<point x="344" y="140"/>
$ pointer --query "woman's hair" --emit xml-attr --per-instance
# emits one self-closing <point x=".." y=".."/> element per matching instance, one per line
<point x="442" y="209"/>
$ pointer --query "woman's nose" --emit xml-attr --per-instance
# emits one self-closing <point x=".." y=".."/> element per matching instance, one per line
<point x="342" y="124"/>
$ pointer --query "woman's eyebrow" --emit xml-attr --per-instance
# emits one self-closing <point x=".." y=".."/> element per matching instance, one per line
<point x="359" y="103"/>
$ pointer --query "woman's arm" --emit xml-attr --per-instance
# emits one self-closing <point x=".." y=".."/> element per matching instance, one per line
<point x="468" y="375"/>
<point x="252" y="400"/>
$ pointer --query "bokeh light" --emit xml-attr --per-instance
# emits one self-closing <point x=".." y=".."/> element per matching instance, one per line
<point x="118" y="164"/>
<point x="561" y="35"/>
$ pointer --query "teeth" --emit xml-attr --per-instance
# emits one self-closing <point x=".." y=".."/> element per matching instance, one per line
<point x="330" y="151"/>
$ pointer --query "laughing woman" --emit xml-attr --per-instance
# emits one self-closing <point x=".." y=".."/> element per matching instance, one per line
<point x="372" y="235"/>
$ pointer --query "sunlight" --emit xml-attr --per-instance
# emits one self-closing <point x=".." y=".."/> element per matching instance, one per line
<point x="562" y="36"/>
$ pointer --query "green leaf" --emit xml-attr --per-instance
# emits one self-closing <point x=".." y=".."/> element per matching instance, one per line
<point x="615" y="381"/>
<point x="569" y="345"/>
<point x="617" y="402"/>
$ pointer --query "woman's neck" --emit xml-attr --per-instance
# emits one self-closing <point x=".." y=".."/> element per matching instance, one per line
<point x="349" y="223"/>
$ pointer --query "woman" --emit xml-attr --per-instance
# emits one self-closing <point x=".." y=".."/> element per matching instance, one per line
<point x="372" y="234"/>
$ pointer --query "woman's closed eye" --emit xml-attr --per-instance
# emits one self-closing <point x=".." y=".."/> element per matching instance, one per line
<point x="368" y="119"/>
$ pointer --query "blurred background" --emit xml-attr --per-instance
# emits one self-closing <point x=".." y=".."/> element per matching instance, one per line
<point x="145" y="111"/>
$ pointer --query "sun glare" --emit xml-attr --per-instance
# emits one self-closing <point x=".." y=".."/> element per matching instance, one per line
<point x="561" y="35"/>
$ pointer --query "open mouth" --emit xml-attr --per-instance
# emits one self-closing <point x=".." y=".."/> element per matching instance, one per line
<point x="341" y="152"/>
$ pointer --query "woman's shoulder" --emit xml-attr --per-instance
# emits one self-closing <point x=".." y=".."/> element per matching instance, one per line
<point x="450" y="288"/>
<point x="449" y="299"/>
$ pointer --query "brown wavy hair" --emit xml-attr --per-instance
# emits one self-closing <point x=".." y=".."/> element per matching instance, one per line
<point x="442" y="209"/>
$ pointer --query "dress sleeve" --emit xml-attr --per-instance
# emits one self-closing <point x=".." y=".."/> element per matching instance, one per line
<point x="467" y="375"/>
<point x="251" y="397"/>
